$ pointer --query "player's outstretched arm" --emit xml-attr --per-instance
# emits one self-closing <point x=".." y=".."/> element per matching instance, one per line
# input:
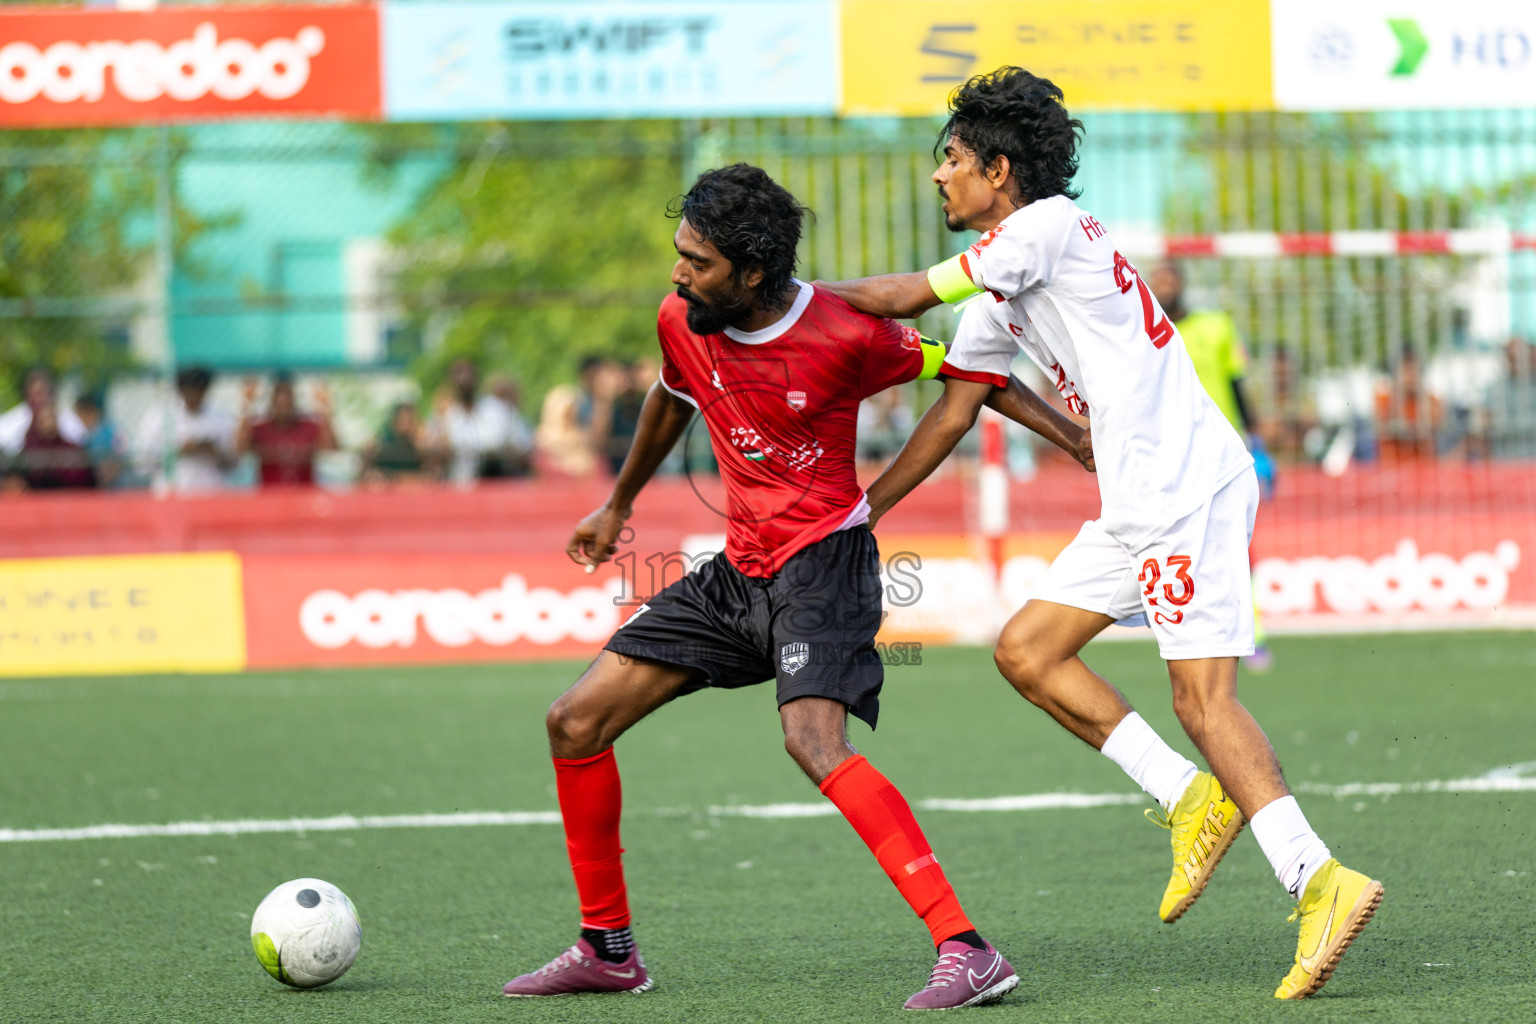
<point x="1022" y="405"/>
<point x="663" y="418"/>
<point x="904" y="296"/>
<point x="934" y="437"/>
<point x="898" y="296"/>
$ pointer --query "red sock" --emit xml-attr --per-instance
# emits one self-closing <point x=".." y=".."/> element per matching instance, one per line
<point x="590" y="801"/>
<point x="881" y="817"/>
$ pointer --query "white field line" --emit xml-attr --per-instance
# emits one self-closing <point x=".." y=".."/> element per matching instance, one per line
<point x="1487" y="784"/>
<point x="1500" y="780"/>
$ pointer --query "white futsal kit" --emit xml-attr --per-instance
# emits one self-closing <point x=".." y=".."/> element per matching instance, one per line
<point x="1178" y="492"/>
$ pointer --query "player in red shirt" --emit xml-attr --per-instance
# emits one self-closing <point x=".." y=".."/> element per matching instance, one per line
<point x="777" y="369"/>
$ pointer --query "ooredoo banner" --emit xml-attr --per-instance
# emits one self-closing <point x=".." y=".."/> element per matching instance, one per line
<point x="361" y="610"/>
<point x="62" y="67"/>
<point x="208" y="612"/>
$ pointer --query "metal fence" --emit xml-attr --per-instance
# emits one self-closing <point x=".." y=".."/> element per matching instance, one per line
<point x="1377" y="265"/>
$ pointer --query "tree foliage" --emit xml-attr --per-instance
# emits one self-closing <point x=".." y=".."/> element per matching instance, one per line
<point x="78" y="209"/>
<point x="535" y="244"/>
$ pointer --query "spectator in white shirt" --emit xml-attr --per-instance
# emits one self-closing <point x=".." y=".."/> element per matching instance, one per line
<point x="191" y="443"/>
<point x="481" y="436"/>
<point x="37" y="392"/>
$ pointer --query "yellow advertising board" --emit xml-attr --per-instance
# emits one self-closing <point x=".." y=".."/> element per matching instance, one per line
<point x="121" y="613"/>
<point x="903" y="57"/>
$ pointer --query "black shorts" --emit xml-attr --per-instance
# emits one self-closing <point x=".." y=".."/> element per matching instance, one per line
<point x="812" y="627"/>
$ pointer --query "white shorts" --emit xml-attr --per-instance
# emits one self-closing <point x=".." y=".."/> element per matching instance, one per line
<point x="1191" y="582"/>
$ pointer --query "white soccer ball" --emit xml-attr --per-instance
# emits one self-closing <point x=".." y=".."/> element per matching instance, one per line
<point x="306" y="933"/>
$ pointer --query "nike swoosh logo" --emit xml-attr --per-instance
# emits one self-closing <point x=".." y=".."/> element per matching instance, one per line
<point x="624" y="974"/>
<point x="978" y="983"/>
<point x="1310" y="960"/>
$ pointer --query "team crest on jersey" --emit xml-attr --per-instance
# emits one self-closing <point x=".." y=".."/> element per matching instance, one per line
<point x="794" y="657"/>
<point x="796" y="399"/>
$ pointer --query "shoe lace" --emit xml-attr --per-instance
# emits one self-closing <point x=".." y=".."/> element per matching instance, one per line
<point x="1295" y="914"/>
<point x="1181" y="830"/>
<point x="946" y="970"/>
<point x="572" y="957"/>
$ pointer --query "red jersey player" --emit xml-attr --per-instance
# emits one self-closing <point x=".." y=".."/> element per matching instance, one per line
<point x="777" y="369"/>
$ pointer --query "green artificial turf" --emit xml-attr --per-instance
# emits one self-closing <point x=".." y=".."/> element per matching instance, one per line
<point x="746" y="919"/>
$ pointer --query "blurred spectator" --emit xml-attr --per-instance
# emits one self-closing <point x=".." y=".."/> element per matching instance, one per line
<point x="286" y="442"/>
<point x="37" y="390"/>
<point x="103" y="447"/>
<point x="1293" y="416"/>
<point x="601" y="382"/>
<point x="514" y="458"/>
<point x="1512" y="403"/>
<point x="481" y="436"/>
<point x="399" y="453"/>
<point x="885" y="420"/>
<point x="1408" y="417"/>
<point x="47" y="460"/>
<point x="624" y="412"/>
<point x="190" y="441"/>
<point x="563" y="444"/>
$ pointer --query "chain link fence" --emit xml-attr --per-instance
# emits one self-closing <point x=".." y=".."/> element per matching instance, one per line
<point x="1379" y="267"/>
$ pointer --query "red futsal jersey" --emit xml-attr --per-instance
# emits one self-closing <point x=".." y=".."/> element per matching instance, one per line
<point x="782" y="407"/>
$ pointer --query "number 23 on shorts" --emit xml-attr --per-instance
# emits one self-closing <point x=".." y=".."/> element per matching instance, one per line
<point x="1177" y="597"/>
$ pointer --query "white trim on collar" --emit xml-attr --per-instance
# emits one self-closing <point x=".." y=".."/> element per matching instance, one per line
<point x="779" y="326"/>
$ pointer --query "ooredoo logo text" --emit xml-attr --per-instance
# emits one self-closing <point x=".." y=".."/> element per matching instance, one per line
<point x="375" y="618"/>
<point x="142" y="70"/>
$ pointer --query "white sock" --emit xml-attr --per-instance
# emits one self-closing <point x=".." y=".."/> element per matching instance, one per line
<point x="1155" y="766"/>
<point x="1293" y="849"/>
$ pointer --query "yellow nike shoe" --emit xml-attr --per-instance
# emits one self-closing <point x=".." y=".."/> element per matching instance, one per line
<point x="1337" y="904"/>
<point x="1204" y="822"/>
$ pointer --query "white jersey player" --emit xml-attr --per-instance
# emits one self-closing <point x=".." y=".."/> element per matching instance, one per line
<point x="1178" y="493"/>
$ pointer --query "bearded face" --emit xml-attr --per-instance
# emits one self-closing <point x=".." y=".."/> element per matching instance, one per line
<point x="713" y="315"/>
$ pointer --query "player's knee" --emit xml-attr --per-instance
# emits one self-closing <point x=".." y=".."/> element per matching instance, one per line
<point x="816" y="754"/>
<point x="801" y="744"/>
<point x="1021" y="663"/>
<point x="570" y="732"/>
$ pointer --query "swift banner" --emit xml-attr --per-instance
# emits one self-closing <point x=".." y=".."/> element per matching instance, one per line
<point x="117" y="614"/>
<point x="62" y="67"/>
<point x="903" y="57"/>
<point x="465" y="61"/>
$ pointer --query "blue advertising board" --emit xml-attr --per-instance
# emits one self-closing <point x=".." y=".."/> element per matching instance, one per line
<point x="492" y="60"/>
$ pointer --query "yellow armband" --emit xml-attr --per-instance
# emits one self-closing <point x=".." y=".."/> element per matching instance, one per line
<point x="933" y="358"/>
<point x="950" y="282"/>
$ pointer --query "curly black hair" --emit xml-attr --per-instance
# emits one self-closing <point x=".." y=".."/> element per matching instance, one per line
<point x="754" y="222"/>
<point x="1013" y="113"/>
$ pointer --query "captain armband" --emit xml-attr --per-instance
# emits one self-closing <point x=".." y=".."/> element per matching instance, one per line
<point x="933" y="358"/>
<point x="950" y="282"/>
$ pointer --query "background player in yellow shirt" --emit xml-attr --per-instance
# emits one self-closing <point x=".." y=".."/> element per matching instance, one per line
<point x="1216" y="349"/>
